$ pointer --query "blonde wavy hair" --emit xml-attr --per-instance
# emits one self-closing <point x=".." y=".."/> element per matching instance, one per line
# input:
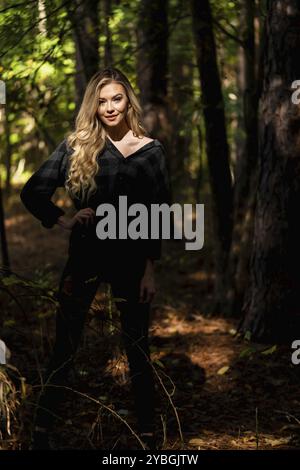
<point x="88" y="138"/>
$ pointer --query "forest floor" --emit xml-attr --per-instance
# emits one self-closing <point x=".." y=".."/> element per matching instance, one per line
<point x="227" y="393"/>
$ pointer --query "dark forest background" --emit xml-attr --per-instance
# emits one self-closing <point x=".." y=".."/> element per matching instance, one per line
<point x="215" y="80"/>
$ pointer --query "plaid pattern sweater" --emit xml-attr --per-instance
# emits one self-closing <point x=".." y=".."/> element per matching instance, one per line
<point x="142" y="177"/>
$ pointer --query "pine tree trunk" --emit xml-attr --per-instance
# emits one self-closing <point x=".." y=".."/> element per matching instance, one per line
<point x="216" y="142"/>
<point x="85" y="21"/>
<point x="4" y="248"/>
<point x="272" y="306"/>
<point x="246" y="167"/>
<point x="152" y="70"/>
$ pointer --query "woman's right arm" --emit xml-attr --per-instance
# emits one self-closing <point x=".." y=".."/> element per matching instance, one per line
<point x="36" y="194"/>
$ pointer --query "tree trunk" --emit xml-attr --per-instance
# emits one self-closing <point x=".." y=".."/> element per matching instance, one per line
<point x="108" y="58"/>
<point x="246" y="167"/>
<point x="216" y="142"/>
<point x="3" y="241"/>
<point x="181" y="95"/>
<point x="4" y="248"/>
<point x="272" y="305"/>
<point x="152" y="70"/>
<point x="85" y="20"/>
<point x="8" y="151"/>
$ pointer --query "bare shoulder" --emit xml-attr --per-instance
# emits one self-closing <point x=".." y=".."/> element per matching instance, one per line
<point x="146" y="139"/>
<point x="139" y="142"/>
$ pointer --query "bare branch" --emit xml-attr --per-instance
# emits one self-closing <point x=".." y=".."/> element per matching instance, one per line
<point x="230" y="35"/>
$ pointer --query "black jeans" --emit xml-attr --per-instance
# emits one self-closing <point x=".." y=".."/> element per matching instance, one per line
<point x="78" y="285"/>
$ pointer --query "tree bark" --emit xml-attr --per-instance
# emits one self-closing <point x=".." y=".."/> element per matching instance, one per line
<point x="181" y="96"/>
<point x="3" y="241"/>
<point x="8" y="151"/>
<point x="85" y="20"/>
<point x="272" y="305"/>
<point x="216" y="142"/>
<point x="152" y="71"/>
<point x="246" y="166"/>
<point x="108" y="57"/>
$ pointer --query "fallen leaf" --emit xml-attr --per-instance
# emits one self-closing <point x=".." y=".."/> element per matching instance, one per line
<point x="223" y="370"/>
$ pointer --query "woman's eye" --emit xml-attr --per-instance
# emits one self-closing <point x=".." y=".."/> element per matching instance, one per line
<point x="115" y="99"/>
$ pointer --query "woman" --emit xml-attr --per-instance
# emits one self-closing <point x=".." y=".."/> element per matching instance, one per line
<point x="106" y="156"/>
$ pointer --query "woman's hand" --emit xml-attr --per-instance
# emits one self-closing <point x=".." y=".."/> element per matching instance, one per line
<point x="83" y="216"/>
<point x="147" y="287"/>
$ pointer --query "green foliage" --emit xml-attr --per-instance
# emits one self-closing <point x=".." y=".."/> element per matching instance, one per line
<point x="270" y="350"/>
<point x="37" y="63"/>
<point x="257" y="349"/>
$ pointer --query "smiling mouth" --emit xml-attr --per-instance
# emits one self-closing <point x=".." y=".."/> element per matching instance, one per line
<point x="111" y="117"/>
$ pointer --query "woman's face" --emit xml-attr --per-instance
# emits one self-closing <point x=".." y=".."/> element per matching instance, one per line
<point x="113" y="104"/>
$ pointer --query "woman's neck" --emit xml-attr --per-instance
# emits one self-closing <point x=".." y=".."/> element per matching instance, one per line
<point x="118" y="133"/>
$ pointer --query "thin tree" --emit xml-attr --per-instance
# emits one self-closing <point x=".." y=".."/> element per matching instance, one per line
<point x="245" y="178"/>
<point x="85" y="20"/>
<point x="152" y="69"/>
<point x="216" y="141"/>
<point x="3" y="240"/>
